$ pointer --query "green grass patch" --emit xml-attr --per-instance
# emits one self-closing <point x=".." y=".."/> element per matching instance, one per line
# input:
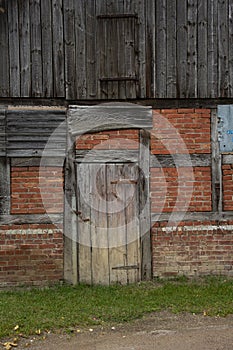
<point x="63" y="307"/>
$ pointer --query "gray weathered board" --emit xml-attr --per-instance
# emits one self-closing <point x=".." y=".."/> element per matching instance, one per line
<point x="29" y="132"/>
<point x="84" y="119"/>
<point x="108" y="223"/>
<point x="101" y="49"/>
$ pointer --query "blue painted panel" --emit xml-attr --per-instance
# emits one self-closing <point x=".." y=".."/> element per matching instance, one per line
<point x="225" y="128"/>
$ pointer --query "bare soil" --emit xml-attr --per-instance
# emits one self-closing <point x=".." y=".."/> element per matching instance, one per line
<point x="162" y="331"/>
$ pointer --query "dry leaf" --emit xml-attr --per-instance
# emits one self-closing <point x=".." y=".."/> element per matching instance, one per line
<point x="9" y="345"/>
<point x="38" y="331"/>
<point x="16" y="327"/>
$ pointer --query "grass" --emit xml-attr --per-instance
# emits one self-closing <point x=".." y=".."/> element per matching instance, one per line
<point x="64" y="307"/>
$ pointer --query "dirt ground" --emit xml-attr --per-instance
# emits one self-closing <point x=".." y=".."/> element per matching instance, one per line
<point x="162" y="331"/>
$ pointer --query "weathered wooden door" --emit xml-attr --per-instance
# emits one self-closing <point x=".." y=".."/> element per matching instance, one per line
<point x="108" y="223"/>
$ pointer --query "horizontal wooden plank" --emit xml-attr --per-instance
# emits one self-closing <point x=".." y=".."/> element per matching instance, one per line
<point x="106" y="156"/>
<point x="24" y="153"/>
<point x="227" y="159"/>
<point x="36" y="161"/>
<point x="31" y="219"/>
<point x="29" y="131"/>
<point x="190" y="217"/>
<point x="95" y="118"/>
<point x="180" y="160"/>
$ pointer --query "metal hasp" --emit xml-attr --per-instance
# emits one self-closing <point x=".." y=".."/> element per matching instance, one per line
<point x="225" y="128"/>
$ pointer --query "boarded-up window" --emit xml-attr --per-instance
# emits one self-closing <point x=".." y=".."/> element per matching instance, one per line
<point x="118" y="55"/>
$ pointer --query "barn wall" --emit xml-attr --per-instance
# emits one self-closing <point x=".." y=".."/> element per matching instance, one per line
<point x="200" y="242"/>
<point x="100" y="49"/>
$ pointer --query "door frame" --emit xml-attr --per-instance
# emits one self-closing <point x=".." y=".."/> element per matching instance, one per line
<point x="109" y="116"/>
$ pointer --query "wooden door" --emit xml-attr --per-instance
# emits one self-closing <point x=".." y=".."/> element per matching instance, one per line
<point x="108" y="223"/>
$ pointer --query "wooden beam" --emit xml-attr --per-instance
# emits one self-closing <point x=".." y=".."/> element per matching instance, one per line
<point x="216" y="165"/>
<point x="106" y="156"/>
<point x="4" y="186"/>
<point x="144" y="205"/>
<point x="179" y="160"/>
<point x="84" y="119"/>
<point x="7" y="219"/>
<point x="191" y="217"/>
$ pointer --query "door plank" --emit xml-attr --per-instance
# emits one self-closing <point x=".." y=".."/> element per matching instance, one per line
<point x="84" y="234"/>
<point x="99" y="234"/>
<point x="116" y="225"/>
<point x="132" y="224"/>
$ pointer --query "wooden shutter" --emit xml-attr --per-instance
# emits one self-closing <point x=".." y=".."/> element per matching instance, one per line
<point x="117" y="43"/>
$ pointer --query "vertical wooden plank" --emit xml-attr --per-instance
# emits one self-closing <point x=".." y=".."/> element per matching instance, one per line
<point x="83" y="226"/>
<point x="171" y="49"/>
<point x="132" y="224"/>
<point x="116" y="224"/>
<point x="216" y="165"/>
<point x="230" y="56"/>
<point x="140" y="9"/>
<point x="70" y="224"/>
<point x="150" y="49"/>
<point x="202" y="49"/>
<point x="102" y="87"/>
<point x="80" y="46"/>
<point x="161" y="45"/>
<point x="36" y="60"/>
<point x="223" y="47"/>
<point x="98" y="219"/>
<point x="58" y="49"/>
<point x="212" y="49"/>
<point x="5" y="186"/>
<point x="47" y="47"/>
<point x="69" y="38"/>
<point x="191" y="74"/>
<point x="144" y="203"/>
<point x="182" y="41"/>
<point x="120" y="49"/>
<point x="4" y="49"/>
<point x="111" y="43"/>
<point x="91" y="48"/>
<point x="13" y="27"/>
<point x="25" y="57"/>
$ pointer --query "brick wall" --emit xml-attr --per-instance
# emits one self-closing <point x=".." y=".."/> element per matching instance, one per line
<point x="193" y="250"/>
<point x="227" y="176"/>
<point x="30" y="255"/>
<point x="190" y="125"/>
<point x="113" y="139"/>
<point x="168" y="191"/>
<point x="181" y="131"/>
<point x="26" y="186"/>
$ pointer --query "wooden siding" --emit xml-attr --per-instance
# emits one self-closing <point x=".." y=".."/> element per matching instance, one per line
<point x="104" y="49"/>
<point x="28" y="132"/>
